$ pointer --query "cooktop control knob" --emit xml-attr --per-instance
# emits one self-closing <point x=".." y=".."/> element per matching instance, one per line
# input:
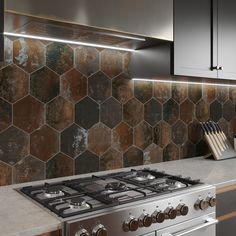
<point x="201" y="204"/>
<point x="131" y="224"/>
<point x="145" y="220"/>
<point x="158" y="216"/>
<point x="82" y="232"/>
<point x="182" y="209"/>
<point x="211" y="201"/>
<point x="99" y="230"/>
<point x="171" y="213"/>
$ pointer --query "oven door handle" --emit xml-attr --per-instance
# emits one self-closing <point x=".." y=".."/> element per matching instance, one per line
<point x="208" y="222"/>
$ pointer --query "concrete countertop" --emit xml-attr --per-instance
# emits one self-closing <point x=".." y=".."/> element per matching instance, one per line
<point x="21" y="217"/>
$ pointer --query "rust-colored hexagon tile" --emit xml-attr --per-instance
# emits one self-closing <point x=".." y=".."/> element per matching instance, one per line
<point x="87" y="60"/>
<point x="170" y="152"/>
<point x="99" y="87"/>
<point x="153" y="111"/>
<point x="202" y="110"/>
<point x="122" y="88"/>
<point x="152" y="154"/>
<point x="44" y="143"/>
<point x="179" y="92"/>
<point x="8" y="48"/>
<point x="59" y="57"/>
<point x="126" y="62"/>
<point x="14" y="83"/>
<point x="194" y="92"/>
<point x="86" y="113"/>
<point x="74" y="140"/>
<point x="179" y="133"/>
<point x="73" y="86"/>
<point x="187" y="150"/>
<point x="171" y="111"/>
<point x="28" y="169"/>
<point x="86" y="163"/>
<point x="44" y="84"/>
<point x="133" y="112"/>
<point x="187" y="111"/>
<point x="28" y="114"/>
<point x="228" y="110"/>
<point x="215" y="111"/>
<point x="122" y="137"/>
<point x="143" y="135"/>
<point x="5" y="114"/>
<point x="227" y="127"/>
<point x="209" y="93"/>
<point x="162" y="91"/>
<point x="143" y="90"/>
<point x="29" y="54"/>
<point x="111" y="62"/>
<point x="111" y="160"/>
<point x="232" y="94"/>
<point x="14" y="145"/>
<point x="5" y="174"/>
<point x="133" y="157"/>
<point x="99" y="139"/>
<point x="111" y="112"/>
<point x="60" y="113"/>
<point x="222" y="94"/>
<point x="162" y="134"/>
<point x="59" y="166"/>
<point x="195" y="133"/>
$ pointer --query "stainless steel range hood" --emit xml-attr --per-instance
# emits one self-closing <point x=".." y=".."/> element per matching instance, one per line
<point x="131" y="24"/>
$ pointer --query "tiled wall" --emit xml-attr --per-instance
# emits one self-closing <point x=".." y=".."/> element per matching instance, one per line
<point x="68" y="110"/>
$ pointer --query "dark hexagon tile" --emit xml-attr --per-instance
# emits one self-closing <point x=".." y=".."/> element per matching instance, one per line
<point x="232" y="94"/>
<point x="28" y="169"/>
<point x="162" y="134"/>
<point x="86" y="163"/>
<point x="111" y="160"/>
<point x="202" y="110"/>
<point x="14" y="145"/>
<point x="86" y="113"/>
<point x="122" y="88"/>
<point x="170" y="152"/>
<point x="179" y="133"/>
<point x="222" y="94"/>
<point x="73" y="86"/>
<point x="179" y="92"/>
<point x="232" y="127"/>
<point x="187" y="111"/>
<point x="122" y="137"/>
<point x="59" y="166"/>
<point x="194" y="92"/>
<point x="143" y="90"/>
<point x="152" y="112"/>
<point x="228" y="110"/>
<point x="44" y="143"/>
<point x="44" y="84"/>
<point x="133" y="112"/>
<point x="29" y="54"/>
<point x="99" y="139"/>
<point x="111" y="62"/>
<point x="226" y="126"/>
<point x="162" y="91"/>
<point x="195" y="133"/>
<point x="143" y="135"/>
<point x="28" y="114"/>
<point x="187" y="150"/>
<point x="5" y="114"/>
<point x="215" y="111"/>
<point x="74" y="140"/>
<point x="59" y="57"/>
<point x="8" y="48"/>
<point x="209" y="93"/>
<point x="152" y="154"/>
<point x="60" y="113"/>
<point x="87" y="60"/>
<point x="99" y="87"/>
<point x="170" y="111"/>
<point x="111" y="112"/>
<point x="14" y="83"/>
<point x="133" y="157"/>
<point x="5" y="174"/>
<point x="202" y="148"/>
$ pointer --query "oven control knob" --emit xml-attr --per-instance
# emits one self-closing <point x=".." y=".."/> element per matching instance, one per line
<point x="211" y="201"/>
<point x="158" y="216"/>
<point x="99" y="230"/>
<point x="145" y="220"/>
<point x="171" y="213"/>
<point x="182" y="209"/>
<point x="201" y="204"/>
<point x="131" y="224"/>
<point x="82" y="232"/>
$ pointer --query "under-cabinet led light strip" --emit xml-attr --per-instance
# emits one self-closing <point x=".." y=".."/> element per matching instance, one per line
<point x="67" y="41"/>
<point x="184" y="82"/>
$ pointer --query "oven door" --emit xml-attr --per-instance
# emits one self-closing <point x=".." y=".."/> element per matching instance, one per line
<point x="204" y="226"/>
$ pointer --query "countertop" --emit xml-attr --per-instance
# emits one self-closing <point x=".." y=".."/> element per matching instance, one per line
<point x="21" y="217"/>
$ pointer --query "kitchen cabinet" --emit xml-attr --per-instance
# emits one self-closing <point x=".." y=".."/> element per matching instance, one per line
<point x="205" y="38"/>
<point x="54" y="233"/>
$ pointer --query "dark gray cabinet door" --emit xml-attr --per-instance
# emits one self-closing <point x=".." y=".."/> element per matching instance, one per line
<point x="195" y="48"/>
<point x="227" y="38"/>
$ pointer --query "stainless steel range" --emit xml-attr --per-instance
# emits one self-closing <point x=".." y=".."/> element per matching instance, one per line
<point x="134" y="203"/>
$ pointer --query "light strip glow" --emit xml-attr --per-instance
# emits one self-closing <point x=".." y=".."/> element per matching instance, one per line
<point x="67" y="41"/>
<point x="184" y="82"/>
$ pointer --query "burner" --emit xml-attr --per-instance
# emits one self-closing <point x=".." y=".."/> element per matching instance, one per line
<point x="176" y="185"/>
<point x="143" y="176"/>
<point x="77" y="201"/>
<point x="115" y="186"/>
<point x="53" y="191"/>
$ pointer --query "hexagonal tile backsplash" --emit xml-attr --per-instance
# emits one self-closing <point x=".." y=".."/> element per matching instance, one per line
<point x="71" y="110"/>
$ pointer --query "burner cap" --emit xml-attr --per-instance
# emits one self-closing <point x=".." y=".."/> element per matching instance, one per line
<point x="53" y="190"/>
<point x="144" y="176"/>
<point x="115" y="186"/>
<point x="77" y="201"/>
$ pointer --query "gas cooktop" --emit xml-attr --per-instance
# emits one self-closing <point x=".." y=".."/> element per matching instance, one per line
<point x="82" y="195"/>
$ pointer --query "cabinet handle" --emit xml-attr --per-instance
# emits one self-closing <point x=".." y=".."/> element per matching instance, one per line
<point x="217" y="68"/>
